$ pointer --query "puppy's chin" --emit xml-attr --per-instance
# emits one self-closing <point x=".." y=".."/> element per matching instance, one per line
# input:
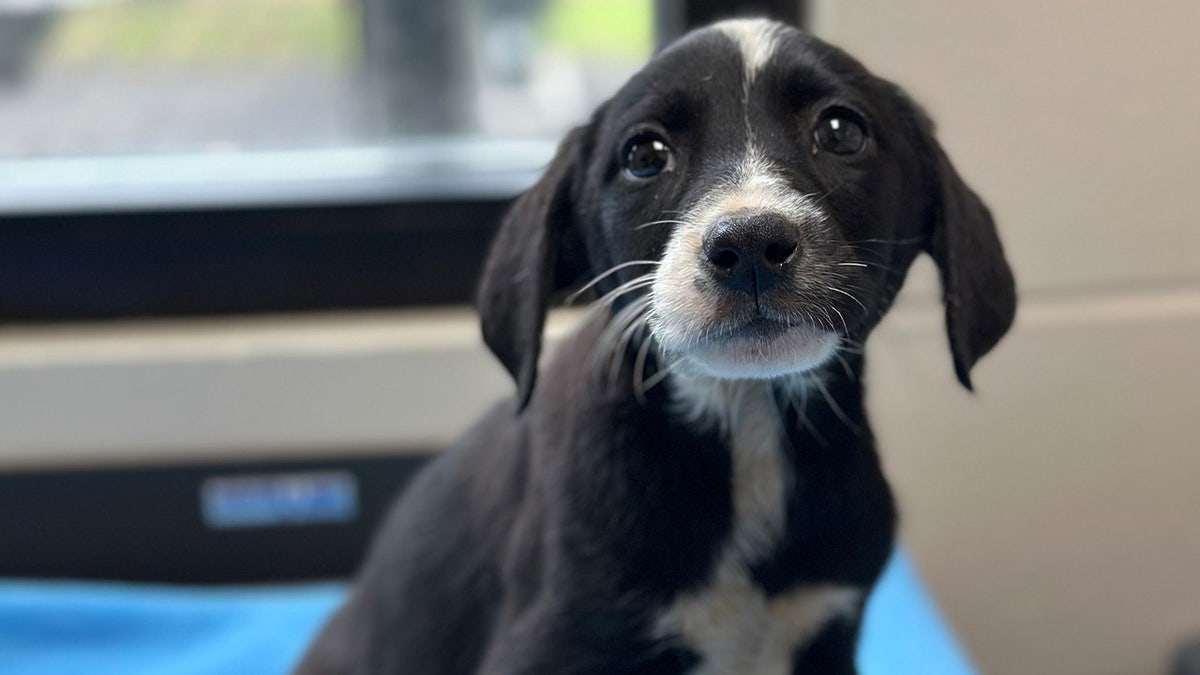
<point x="751" y="355"/>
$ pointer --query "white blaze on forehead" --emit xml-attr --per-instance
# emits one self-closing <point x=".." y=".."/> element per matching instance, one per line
<point x="755" y="38"/>
<point x="754" y="185"/>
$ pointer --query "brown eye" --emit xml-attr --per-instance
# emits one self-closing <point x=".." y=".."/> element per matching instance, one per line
<point x="646" y="155"/>
<point x="839" y="131"/>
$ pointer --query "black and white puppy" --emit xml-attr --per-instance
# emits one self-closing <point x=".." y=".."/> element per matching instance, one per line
<point x="692" y="487"/>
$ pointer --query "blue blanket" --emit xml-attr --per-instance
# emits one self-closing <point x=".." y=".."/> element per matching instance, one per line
<point x="64" y="628"/>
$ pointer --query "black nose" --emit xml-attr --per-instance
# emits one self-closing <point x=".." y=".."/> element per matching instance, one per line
<point x="751" y="252"/>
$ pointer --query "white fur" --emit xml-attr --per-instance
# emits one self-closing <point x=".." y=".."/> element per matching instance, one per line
<point x="756" y="40"/>
<point x="731" y="622"/>
<point x="756" y="184"/>
<point x="800" y="349"/>
<point x="744" y="412"/>
<point x="737" y="630"/>
<point x="683" y="315"/>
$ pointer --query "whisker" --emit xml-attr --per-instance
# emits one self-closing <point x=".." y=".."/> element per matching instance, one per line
<point x="827" y="319"/>
<point x="895" y="242"/>
<point x="661" y="375"/>
<point x="833" y="405"/>
<point x="844" y="326"/>
<point x="866" y="250"/>
<point x="635" y="321"/>
<point x="660" y="222"/>
<point x="825" y="196"/>
<point x="613" y="333"/>
<point x="639" y="370"/>
<point x="848" y="295"/>
<point x="630" y="286"/>
<point x="606" y="273"/>
<point x="803" y="423"/>
<point x="845" y="366"/>
<point x="867" y="263"/>
<point x="852" y="346"/>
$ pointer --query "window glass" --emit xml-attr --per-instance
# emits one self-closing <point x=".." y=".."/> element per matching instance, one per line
<point x="131" y="94"/>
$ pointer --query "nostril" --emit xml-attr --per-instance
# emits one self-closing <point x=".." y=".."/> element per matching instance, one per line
<point x="724" y="258"/>
<point x="780" y="251"/>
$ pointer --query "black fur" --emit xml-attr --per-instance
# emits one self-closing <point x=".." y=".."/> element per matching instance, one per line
<point x="549" y="538"/>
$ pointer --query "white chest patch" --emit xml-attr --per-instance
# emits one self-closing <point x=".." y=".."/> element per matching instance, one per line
<point x="737" y="630"/>
<point x="730" y="622"/>
<point x="744" y="412"/>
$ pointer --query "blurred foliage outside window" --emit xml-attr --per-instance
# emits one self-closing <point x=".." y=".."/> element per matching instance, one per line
<point x="85" y="78"/>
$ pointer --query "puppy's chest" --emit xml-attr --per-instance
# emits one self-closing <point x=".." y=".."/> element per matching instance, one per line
<point x="737" y="629"/>
<point x="730" y="621"/>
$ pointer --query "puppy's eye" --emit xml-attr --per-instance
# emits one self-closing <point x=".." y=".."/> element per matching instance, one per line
<point x="646" y="155"/>
<point x="839" y="131"/>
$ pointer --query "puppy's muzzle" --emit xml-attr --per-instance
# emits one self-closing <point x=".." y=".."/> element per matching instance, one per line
<point x="751" y="252"/>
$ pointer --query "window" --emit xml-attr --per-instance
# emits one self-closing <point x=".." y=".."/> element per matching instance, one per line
<point x="169" y="157"/>
<point x="170" y="102"/>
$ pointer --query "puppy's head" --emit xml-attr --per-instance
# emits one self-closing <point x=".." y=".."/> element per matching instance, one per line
<point x="756" y="196"/>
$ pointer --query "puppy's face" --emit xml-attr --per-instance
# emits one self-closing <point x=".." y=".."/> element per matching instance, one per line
<point x="774" y="182"/>
<point x="755" y="197"/>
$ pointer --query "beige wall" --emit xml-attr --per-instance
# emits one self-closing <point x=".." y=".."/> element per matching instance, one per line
<point x="1056" y="513"/>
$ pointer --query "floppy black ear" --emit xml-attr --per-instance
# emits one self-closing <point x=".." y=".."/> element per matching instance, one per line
<point x="977" y="284"/>
<point x="535" y="252"/>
